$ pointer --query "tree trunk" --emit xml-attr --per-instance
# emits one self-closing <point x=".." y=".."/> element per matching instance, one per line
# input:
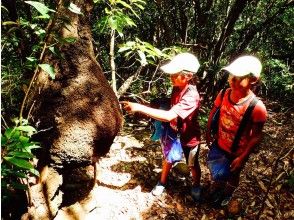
<point x="77" y="114"/>
<point x="228" y="28"/>
<point x="112" y="63"/>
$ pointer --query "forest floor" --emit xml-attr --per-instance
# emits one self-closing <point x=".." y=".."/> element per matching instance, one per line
<point x="131" y="169"/>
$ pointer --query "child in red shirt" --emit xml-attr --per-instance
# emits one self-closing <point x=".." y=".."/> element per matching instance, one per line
<point x="244" y="72"/>
<point x="185" y="103"/>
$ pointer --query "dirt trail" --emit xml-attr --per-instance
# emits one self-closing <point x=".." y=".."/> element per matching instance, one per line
<point x="130" y="170"/>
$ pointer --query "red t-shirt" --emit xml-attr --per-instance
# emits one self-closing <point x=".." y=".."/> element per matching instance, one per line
<point x="185" y="103"/>
<point x="231" y="115"/>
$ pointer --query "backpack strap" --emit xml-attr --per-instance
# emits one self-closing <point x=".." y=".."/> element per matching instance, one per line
<point x="222" y="96"/>
<point x="243" y="123"/>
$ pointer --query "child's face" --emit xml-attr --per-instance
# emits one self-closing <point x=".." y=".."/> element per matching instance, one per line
<point x="180" y="79"/>
<point x="240" y="83"/>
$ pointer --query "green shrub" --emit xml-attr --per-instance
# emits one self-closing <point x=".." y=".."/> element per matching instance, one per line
<point x="16" y="157"/>
<point x="279" y="81"/>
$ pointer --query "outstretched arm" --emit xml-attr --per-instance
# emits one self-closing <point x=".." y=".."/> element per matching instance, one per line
<point x="158" y="114"/>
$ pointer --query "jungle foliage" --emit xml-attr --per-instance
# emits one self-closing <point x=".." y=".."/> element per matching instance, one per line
<point x="133" y="37"/>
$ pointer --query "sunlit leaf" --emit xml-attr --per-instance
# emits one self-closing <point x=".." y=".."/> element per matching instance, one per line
<point x="129" y="21"/>
<point x="112" y="22"/>
<point x="21" y="154"/>
<point x="126" y="5"/>
<point x="56" y="52"/>
<point x="26" y="128"/>
<point x="75" y="9"/>
<point x="15" y="135"/>
<point x="31" y="59"/>
<point x="70" y="39"/>
<point x="2" y="7"/>
<point x="139" y="6"/>
<point x="8" y="132"/>
<point x="24" y="139"/>
<point x="40" y="7"/>
<point x="35" y="172"/>
<point x="101" y="25"/>
<point x="122" y="49"/>
<point x="142" y="58"/>
<point x="40" y="32"/>
<point x="48" y="69"/>
<point x="19" y="162"/>
<point x="9" y="23"/>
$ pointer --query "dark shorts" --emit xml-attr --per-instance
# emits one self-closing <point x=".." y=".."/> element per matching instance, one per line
<point x="219" y="162"/>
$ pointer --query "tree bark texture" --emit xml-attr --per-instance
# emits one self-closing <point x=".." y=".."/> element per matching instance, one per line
<point x="77" y="114"/>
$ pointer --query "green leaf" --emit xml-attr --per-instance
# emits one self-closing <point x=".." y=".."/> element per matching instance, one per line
<point x="8" y="132"/>
<point x="20" y="174"/>
<point x="122" y="49"/>
<point x="15" y="135"/>
<point x="31" y="59"/>
<point x="27" y="128"/>
<point x="40" y="7"/>
<point x="33" y="26"/>
<point x="131" y="43"/>
<point x="24" y="139"/>
<point x="70" y="39"/>
<point x="48" y="69"/>
<point x="56" y="52"/>
<point x="16" y="185"/>
<point x="75" y="9"/>
<point x="21" y="154"/>
<point x="112" y="22"/>
<point x="128" y="53"/>
<point x="9" y="23"/>
<point x="142" y="58"/>
<point x="129" y="21"/>
<point x="19" y="162"/>
<point x="40" y="32"/>
<point x="11" y="146"/>
<point x="29" y="146"/>
<point x="126" y="5"/>
<point x="3" y="140"/>
<point x="35" y="172"/>
<point x="139" y="6"/>
<point x="101" y="25"/>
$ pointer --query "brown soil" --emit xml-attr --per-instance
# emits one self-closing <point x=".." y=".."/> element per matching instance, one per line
<point x="130" y="170"/>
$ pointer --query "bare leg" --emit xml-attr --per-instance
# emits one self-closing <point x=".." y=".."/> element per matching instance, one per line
<point x="165" y="171"/>
<point x="196" y="174"/>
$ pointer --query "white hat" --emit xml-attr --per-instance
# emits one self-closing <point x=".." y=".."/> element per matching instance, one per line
<point x="245" y="65"/>
<point x="181" y="62"/>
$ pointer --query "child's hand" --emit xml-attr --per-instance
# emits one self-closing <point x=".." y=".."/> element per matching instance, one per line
<point x="236" y="164"/>
<point x="130" y="106"/>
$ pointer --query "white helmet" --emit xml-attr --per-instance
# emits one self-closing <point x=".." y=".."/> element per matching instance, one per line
<point x="181" y="62"/>
<point x="245" y="65"/>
